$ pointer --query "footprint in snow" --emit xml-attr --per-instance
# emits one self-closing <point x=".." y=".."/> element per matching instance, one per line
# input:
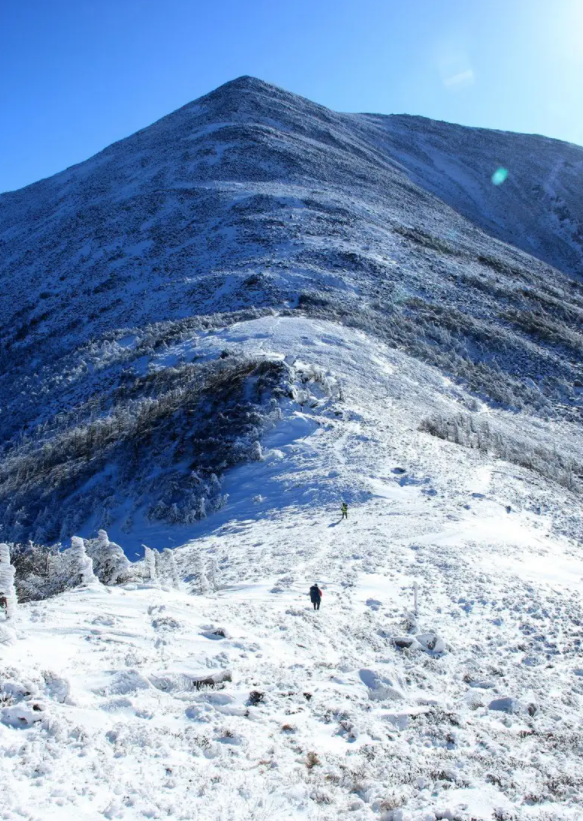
<point x="165" y="623"/>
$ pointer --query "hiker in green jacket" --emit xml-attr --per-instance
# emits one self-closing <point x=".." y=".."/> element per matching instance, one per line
<point x="344" y="510"/>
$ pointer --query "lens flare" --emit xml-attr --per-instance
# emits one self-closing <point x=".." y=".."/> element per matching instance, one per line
<point x="499" y="176"/>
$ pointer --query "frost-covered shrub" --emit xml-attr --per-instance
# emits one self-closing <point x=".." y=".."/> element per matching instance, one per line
<point x="7" y="589"/>
<point x="150" y="564"/>
<point x="201" y="582"/>
<point x="311" y="383"/>
<point x="256" y="452"/>
<point x="110" y="563"/>
<point x="502" y="367"/>
<point x="172" y="568"/>
<point x="213" y="573"/>
<point x="82" y="564"/>
<point x="41" y="571"/>
<point x="165" y="438"/>
<point x="547" y="330"/>
<point x="473" y="431"/>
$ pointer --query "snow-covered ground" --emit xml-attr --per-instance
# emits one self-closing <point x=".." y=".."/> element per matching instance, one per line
<point x="469" y="709"/>
<point x="254" y="200"/>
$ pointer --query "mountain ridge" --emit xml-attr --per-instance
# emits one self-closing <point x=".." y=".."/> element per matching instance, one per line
<point x="253" y="200"/>
<point x="249" y="83"/>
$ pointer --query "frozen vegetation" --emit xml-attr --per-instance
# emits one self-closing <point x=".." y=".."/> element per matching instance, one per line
<point x="214" y="333"/>
<point x="7" y="588"/>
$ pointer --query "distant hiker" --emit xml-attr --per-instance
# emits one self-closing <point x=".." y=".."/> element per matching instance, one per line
<point x="344" y="510"/>
<point x="315" y="596"/>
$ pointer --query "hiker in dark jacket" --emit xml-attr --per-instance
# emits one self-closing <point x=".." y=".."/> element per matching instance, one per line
<point x="315" y="596"/>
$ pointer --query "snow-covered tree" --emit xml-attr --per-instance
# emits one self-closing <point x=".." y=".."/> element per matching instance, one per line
<point x="171" y="562"/>
<point x="82" y="564"/>
<point x="215" y="485"/>
<point x="213" y="573"/>
<point x="110" y="563"/>
<point x="150" y="562"/>
<point x="256" y="451"/>
<point x="7" y="591"/>
<point x="174" y="516"/>
<point x="202" y="582"/>
<point x="202" y="508"/>
<point x="41" y="571"/>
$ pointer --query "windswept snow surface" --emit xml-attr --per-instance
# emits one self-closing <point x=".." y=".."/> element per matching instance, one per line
<point x="469" y="709"/>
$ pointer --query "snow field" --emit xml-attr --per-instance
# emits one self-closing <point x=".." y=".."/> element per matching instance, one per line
<point x="152" y="702"/>
<point x="345" y="720"/>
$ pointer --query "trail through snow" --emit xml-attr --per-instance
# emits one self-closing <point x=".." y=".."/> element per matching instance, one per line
<point x="470" y="709"/>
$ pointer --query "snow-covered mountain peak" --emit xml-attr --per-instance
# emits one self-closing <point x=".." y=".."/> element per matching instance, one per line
<point x="254" y="199"/>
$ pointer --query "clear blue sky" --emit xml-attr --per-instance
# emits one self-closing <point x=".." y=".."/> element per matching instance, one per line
<point x="76" y="75"/>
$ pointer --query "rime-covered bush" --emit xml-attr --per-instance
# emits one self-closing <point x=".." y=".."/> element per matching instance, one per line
<point x="172" y="569"/>
<point x="41" y="571"/>
<point x="165" y="439"/>
<point x="110" y="564"/>
<point x="150" y="565"/>
<point x="81" y="563"/>
<point x="212" y="573"/>
<point x="7" y="589"/>
<point x="201" y="582"/>
<point x="492" y="363"/>
<point x="475" y="431"/>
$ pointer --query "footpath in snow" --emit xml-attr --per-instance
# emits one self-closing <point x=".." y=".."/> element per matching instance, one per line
<point x="151" y="701"/>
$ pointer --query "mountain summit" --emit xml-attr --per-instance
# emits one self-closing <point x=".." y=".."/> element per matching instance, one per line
<point x="254" y="199"/>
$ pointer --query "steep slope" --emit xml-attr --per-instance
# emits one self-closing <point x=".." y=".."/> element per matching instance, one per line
<point x="251" y="199"/>
<point x="537" y="209"/>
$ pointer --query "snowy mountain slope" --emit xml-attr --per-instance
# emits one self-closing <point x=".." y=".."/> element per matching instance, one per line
<point x="324" y="715"/>
<point x="248" y="202"/>
<point x="538" y="208"/>
<point x="247" y="182"/>
<point x="213" y="333"/>
<point x="372" y="398"/>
